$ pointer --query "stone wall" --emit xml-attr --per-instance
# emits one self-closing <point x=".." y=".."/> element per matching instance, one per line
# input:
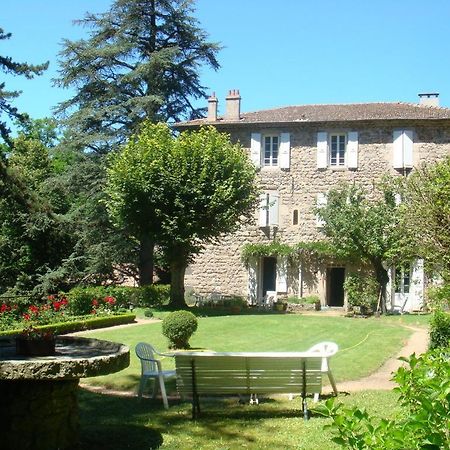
<point x="219" y="268"/>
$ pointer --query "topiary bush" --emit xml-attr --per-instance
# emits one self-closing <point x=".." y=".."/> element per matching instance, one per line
<point x="178" y="327"/>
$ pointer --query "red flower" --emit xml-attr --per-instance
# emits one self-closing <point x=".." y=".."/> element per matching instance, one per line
<point x="26" y="316"/>
<point x="64" y="301"/>
<point x="5" y="307"/>
<point x="34" y="309"/>
<point x="110" y="300"/>
<point x="94" y="302"/>
<point x="57" y="306"/>
<point x="51" y="298"/>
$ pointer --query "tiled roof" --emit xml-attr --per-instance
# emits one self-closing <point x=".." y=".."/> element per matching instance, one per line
<point x="335" y="113"/>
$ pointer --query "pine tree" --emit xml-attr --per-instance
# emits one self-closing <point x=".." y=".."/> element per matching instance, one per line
<point x="141" y="61"/>
<point x="7" y="65"/>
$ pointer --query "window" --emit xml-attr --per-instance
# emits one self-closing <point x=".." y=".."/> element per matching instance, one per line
<point x="402" y="279"/>
<point x="295" y="217"/>
<point x="337" y="149"/>
<point x="268" y="209"/>
<point x="271" y="150"/>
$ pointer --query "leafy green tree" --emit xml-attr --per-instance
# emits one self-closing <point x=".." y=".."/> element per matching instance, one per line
<point x="141" y="61"/>
<point x="180" y="193"/>
<point x="8" y="66"/>
<point x="364" y="228"/>
<point x="427" y="214"/>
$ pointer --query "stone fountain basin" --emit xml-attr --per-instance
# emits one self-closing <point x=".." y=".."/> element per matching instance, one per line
<point x="75" y="357"/>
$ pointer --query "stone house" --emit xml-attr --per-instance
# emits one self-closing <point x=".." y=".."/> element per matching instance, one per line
<point x="302" y="152"/>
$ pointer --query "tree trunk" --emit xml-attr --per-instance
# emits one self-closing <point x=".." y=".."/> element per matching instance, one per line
<point x="383" y="279"/>
<point x="146" y="260"/>
<point x="177" y="271"/>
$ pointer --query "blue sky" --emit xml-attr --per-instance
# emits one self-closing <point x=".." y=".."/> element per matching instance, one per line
<point x="276" y="53"/>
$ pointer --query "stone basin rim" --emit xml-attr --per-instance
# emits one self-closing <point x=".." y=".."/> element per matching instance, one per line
<point x="76" y="357"/>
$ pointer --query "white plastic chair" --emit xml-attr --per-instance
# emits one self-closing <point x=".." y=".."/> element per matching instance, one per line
<point x="326" y="350"/>
<point x="151" y="368"/>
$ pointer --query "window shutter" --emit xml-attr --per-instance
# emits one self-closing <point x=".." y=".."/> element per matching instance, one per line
<point x="321" y="201"/>
<point x="253" y="281"/>
<point x="281" y="274"/>
<point x="255" y="149"/>
<point x="417" y="284"/>
<point x="322" y="150"/>
<point x="407" y="148"/>
<point x="285" y="150"/>
<point x="352" y="150"/>
<point x="273" y="209"/>
<point x="263" y="210"/>
<point x="397" y="160"/>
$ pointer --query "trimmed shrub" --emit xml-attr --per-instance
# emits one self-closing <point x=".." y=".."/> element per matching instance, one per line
<point x="440" y="330"/>
<point x="178" y="327"/>
<point x="361" y="290"/>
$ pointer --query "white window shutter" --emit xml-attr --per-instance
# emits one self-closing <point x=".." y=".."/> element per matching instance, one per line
<point x="397" y="161"/>
<point x="255" y="149"/>
<point x="253" y="281"/>
<point x="285" y="151"/>
<point x="263" y="205"/>
<point x="322" y="150"/>
<point x="281" y="274"/>
<point x="408" y="148"/>
<point x="321" y="201"/>
<point x="273" y="209"/>
<point x="417" y="284"/>
<point x="352" y="150"/>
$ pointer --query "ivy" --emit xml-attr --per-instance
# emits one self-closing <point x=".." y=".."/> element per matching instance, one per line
<point x="306" y="252"/>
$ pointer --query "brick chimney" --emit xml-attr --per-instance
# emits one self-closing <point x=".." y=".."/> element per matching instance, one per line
<point x="233" y="105"/>
<point x="429" y="99"/>
<point x="212" y="107"/>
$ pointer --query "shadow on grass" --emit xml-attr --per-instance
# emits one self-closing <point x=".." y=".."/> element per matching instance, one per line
<point x="119" y="423"/>
<point x="218" y="311"/>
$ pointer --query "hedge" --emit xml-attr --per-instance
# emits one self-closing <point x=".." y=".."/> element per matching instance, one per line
<point x="82" y="324"/>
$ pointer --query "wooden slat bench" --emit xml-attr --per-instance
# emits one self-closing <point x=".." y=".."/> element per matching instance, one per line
<point x="211" y="373"/>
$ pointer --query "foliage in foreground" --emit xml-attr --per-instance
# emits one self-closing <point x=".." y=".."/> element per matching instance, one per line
<point x="424" y="422"/>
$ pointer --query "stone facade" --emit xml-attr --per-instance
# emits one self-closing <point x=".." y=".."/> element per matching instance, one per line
<point x="219" y="267"/>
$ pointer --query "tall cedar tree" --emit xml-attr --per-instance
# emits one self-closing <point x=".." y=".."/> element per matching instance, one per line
<point x="8" y="66"/>
<point x="180" y="192"/>
<point x="141" y="61"/>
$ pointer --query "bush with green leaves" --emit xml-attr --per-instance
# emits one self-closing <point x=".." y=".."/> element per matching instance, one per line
<point x="440" y="329"/>
<point x="307" y="300"/>
<point x="361" y="290"/>
<point x="424" y="420"/>
<point x="178" y="327"/>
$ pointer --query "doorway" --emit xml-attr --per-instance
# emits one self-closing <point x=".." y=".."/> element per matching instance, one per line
<point x="269" y="274"/>
<point x="336" y="278"/>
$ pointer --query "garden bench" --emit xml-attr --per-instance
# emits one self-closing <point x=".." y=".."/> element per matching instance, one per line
<point x="211" y="373"/>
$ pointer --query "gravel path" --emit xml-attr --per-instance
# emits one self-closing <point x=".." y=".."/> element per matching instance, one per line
<point x="381" y="379"/>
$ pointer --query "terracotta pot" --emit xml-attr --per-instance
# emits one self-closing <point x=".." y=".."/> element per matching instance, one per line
<point x="35" y="347"/>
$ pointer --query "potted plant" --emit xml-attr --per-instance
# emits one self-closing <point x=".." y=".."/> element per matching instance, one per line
<point x="35" y="342"/>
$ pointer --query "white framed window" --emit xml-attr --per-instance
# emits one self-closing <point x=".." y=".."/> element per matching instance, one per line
<point x="268" y="209"/>
<point x="271" y="146"/>
<point x="271" y="150"/>
<point x="338" y="144"/>
<point x="337" y="149"/>
<point x="403" y="149"/>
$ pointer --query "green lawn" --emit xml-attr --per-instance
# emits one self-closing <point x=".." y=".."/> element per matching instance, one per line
<point x="364" y="343"/>
<point x="109" y="422"/>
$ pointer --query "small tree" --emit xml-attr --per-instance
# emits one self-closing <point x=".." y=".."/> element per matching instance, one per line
<point x="364" y="228"/>
<point x="180" y="193"/>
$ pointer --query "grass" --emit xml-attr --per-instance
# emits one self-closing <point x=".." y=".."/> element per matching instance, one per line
<point x="126" y="423"/>
<point x="364" y="343"/>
